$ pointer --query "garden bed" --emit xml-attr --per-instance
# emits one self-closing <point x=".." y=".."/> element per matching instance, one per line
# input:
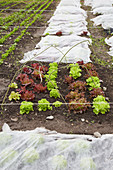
<point x="64" y="121"/>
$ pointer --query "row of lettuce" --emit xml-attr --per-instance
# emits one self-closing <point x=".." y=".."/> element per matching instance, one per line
<point x="75" y="100"/>
<point x="28" y="17"/>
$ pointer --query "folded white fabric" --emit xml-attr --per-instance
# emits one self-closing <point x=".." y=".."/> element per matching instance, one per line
<point x="103" y="10"/>
<point x="101" y="3"/>
<point x="56" y="55"/>
<point x="66" y="30"/>
<point x="63" y="41"/>
<point x="109" y="41"/>
<point x="75" y="3"/>
<point x="105" y="20"/>
<point x="69" y="18"/>
<point x="70" y="10"/>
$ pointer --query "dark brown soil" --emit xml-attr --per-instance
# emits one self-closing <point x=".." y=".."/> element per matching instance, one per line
<point x="63" y="121"/>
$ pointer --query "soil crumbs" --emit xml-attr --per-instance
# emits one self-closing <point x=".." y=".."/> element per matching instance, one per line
<point x="63" y="122"/>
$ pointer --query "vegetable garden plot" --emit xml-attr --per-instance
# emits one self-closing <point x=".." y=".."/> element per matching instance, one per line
<point x="65" y="25"/>
<point x="27" y="21"/>
<point x="74" y="119"/>
<point x="44" y="149"/>
<point x="105" y="19"/>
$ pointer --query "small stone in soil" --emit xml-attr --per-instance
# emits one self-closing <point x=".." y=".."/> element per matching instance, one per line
<point x="82" y="120"/>
<point x="104" y="88"/>
<point x="49" y="118"/>
<point x="14" y="119"/>
<point x="97" y="135"/>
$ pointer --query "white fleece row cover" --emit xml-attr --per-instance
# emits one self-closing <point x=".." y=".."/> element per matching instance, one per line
<point x="105" y="8"/>
<point x="98" y="3"/>
<point x="109" y="41"/>
<point x="69" y="19"/>
<point x="41" y="149"/>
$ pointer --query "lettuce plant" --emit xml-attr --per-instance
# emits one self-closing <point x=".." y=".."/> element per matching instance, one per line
<point x="59" y="162"/>
<point x="51" y="85"/>
<point x="54" y="93"/>
<point x="27" y="70"/>
<point x="15" y="96"/>
<point x="21" y="76"/>
<point x="13" y="85"/>
<point x="7" y="155"/>
<point x="80" y="62"/>
<point x="49" y="77"/>
<point x="96" y="92"/>
<point x="57" y="104"/>
<point x="26" y="107"/>
<point x="38" y="74"/>
<point x="38" y="67"/>
<point x="80" y="85"/>
<point x="36" y="139"/>
<point x="59" y="33"/>
<point x="91" y="73"/>
<point x="39" y="88"/>
<point x="43" y="105"/>
<point x="22" y="89"/>
<point x="89" y="66"/>
<point x="81" y="146"/>
<point x="100" y="105"/>
<point x="53" y="71"/>
<point x="87" y="163"/>
<point x="68" y="79"/>
<point x="27" y="95"/>
<point x="80" y="105"/>
<point x="5" y="138"/>
<point x="75" y="70"/>
<point x="26" y="81"/>
<point x="53" y="65"/>
<point x="30" y="155"/>
<point x="62" y="144"/>
<point x="74" y="95"/>
<point x="93" y="82"/>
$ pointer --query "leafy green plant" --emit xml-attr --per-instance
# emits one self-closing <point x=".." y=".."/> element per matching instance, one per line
<point x="75" y="70"/>
<point x="57" y="104"/>
<point x="49" y="77"/>
<point x="30" y="155"/>
<point x="26" y="107"/>
<point x="94" y="82"/>
<point x="100" y="105"/>
<point x="55" y="65"/>
<point x="13" y="85"/>
<point x="51" y="85"/>
<point x="43" y="105"/>
<point x="78" y="85"/>
<point x="5" y="138"/>
<point x="59" y="162"/>
<point x="7" y="155"/>
<point x="96" y="92"/>
<point x="54" y="93"/>
<point x="74" y="95"/>
<point x="81" y="146"/>
<point x="89" y="66"/>
<point x="87" y="163"/>
<point x="91" y="73"/>
<point x="52" y="71"/>
<point x="15" y="96"/>
<point x="79" y="105"/>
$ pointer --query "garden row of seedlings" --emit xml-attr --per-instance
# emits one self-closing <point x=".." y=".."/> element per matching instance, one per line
<point x="28" y="18"/>
<point x="75" y="99"/>
<point x="9" y="3"/>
